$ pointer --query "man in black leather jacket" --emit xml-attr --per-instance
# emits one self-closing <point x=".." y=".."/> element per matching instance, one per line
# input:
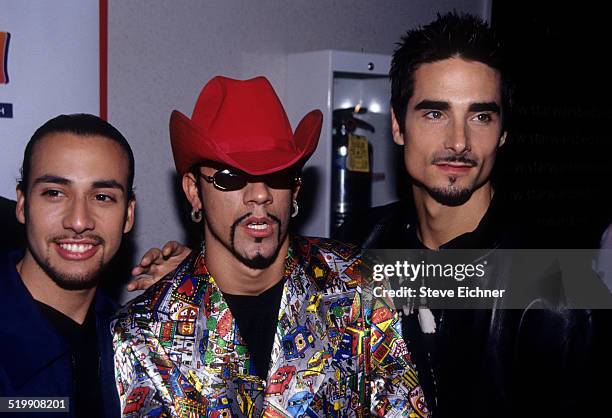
<point x="450" y="101"/>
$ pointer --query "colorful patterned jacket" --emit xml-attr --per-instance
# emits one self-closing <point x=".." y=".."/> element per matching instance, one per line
<point x="338" y="351"/>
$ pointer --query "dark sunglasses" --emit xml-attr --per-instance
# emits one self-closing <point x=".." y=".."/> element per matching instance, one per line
<point x="230" y="180"/>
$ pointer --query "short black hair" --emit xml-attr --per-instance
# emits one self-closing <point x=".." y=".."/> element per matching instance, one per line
<point x="450" y="35"/>
<point x="81" y="124"/>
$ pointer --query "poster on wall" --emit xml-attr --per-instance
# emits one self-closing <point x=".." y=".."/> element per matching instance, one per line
<point x="52" y="61"/>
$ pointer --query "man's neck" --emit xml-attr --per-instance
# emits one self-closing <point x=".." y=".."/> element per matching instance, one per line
<point x="233" y="277"/>
<point x="438" y="223"/>
<point x="72" y="303"/>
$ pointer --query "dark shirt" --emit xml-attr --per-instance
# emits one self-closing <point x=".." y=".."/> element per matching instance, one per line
<point x="257" y="318"/>
<point x="83" y="342"/>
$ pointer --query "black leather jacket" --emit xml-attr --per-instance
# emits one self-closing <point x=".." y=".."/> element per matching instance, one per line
<point x="496" y="362"/>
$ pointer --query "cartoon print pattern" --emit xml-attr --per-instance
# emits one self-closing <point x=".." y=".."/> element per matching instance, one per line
<point x="338" y="351"/>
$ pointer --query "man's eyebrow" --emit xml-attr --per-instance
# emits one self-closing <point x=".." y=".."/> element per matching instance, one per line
<point x="50" y="178"/>
<point x="485" y="107"/>
<point x="432" y="104"/>
<point x="107" y="184"/>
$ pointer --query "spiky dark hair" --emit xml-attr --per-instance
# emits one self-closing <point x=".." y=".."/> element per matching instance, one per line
<point x="450" y="35"/>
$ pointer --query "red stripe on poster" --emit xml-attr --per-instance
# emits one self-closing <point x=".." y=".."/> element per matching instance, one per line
<point x="4" y="45"/>
<point x="104" y="59"/>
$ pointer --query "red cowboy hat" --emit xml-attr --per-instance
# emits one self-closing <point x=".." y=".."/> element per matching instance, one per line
<point x="242" y="124"/>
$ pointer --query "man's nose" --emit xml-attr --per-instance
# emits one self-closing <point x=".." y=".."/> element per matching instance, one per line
<point x="258" y="193"/>
<point x="458" y="138"/>
<point x="78" y="216"/>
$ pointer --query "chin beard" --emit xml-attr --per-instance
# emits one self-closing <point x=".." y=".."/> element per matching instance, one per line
<point x="74" y="282"/>
<point x="69" y="281"/>
<point x="450" y="195"/>
<point x="258" y="262"/>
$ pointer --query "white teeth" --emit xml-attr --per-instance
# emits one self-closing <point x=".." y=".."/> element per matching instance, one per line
<point x="76" y="248"/>
<point x="258" y="226"/>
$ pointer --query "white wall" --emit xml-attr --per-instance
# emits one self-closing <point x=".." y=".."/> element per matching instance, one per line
<point x="162" y="52"/>
<point x="47" y="38"/>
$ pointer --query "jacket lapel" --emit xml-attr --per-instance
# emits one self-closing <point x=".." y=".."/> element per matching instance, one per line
<point x="105" y="308"/>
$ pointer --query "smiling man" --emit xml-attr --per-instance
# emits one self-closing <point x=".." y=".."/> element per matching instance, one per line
<point x="258" y="323"/>
<point x="75" y="200"/>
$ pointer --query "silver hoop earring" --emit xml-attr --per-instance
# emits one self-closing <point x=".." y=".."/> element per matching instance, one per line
<point x="296" y="209"/>
<point x="196" y="215"/>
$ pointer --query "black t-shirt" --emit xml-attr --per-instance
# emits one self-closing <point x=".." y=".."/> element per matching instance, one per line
<point x="257" y="317"/>
<point x="83" y="341"/>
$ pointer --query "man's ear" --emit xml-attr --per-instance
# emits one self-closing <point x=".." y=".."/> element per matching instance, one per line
<point x="190" y="188"/>
<point x="502" y="140"/>
<point x="398" y="137"/>
<point x="20" y="207"/>
<point x="129" y="218"/>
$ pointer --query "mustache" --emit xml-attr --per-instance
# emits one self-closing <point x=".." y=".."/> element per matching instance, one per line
<point x="246" y="215"/>
<point x="96" y="239"/>
<point x="454" y="158"/>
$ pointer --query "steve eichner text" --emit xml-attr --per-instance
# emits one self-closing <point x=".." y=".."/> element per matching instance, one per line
<point x="424" y="291"/>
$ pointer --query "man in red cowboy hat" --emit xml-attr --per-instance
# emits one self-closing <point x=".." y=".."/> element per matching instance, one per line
<point x="258" y="323"/>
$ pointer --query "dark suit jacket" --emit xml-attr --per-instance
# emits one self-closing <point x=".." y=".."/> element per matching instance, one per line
<point x="34" y="359"/>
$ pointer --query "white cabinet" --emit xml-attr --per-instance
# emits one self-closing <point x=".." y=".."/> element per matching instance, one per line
<point x="329" y="80"/>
